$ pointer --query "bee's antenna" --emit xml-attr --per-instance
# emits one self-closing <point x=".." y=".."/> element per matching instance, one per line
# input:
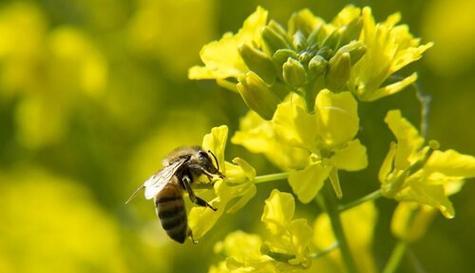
<point x="134" y="194"/>
<point x="215" y="159"/>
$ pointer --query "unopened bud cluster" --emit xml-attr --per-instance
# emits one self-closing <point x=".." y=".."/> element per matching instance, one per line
<point x="301" y="59"/>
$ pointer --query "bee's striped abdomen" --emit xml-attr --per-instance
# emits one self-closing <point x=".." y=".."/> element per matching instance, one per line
<point x="172" y="213"/>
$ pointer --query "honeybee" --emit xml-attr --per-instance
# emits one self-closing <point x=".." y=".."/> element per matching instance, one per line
<point x="180" y="169"/>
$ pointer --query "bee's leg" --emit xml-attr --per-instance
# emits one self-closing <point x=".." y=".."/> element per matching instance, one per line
<point x="195" y="199"/>
<point x="210" y="175"/>
<point x="190" y="233"/>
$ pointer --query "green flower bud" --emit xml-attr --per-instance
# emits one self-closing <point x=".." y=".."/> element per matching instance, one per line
<point x="257" y="95"/>
<point x="325" y="52"/>
<point x="275" y="26"/>
<point x="281" y="56"/>
<point x="356" y="49"/>
<point x="294" y="73"/>
<point x="339" y="71"/>
<point x="301" y="21"/>
<point x="332" y="41"/>
<point x="258" y="62"/>
<point x="317" y="66"/>
<point x="351" y="31"/>
<point x="273" y="40"/>
<point x="316" y="37"/>
<point x="299" y="40"/>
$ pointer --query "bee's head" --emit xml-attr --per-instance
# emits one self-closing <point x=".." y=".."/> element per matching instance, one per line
<point x="208" y="161"/>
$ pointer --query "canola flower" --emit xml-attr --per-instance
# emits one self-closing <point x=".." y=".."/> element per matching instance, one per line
<point x="303" y="84"/>
<point x="264" y="61"/>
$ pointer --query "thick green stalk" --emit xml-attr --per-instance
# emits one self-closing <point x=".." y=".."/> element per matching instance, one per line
<point x="396" y="257"/>
<point x="329" y="203"/>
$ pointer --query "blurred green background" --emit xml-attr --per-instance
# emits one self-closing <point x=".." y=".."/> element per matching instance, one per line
<point x="93" y="93"/>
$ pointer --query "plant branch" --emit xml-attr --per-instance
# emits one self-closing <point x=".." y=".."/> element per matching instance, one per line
<point x="396" y="256"/>
<point x="270" y="177"/>
<point x="329" y="203"/>
<point x="369" y="197"/>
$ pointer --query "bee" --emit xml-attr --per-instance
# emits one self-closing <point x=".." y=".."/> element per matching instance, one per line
<point x="180" y="169"/>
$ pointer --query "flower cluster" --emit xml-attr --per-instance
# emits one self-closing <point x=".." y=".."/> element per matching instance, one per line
<point x="265" y="61"/>
<point x="303" y="84"/>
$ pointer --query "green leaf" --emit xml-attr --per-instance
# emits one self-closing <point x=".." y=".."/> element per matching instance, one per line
<point x="308" y="182"/>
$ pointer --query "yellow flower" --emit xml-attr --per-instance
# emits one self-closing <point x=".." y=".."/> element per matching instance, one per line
<point x="258" y="136"/>
<point x="221" y="58"/>
<point x="286" y="249"/>
<point x="287" y="236"/>
<point x="411" y="220"/>
<point x="411" y="173"/>
<point x="389" y="47"/>
<point x="236" y="186"/>
<point x="359" y="224"/>
<point x="328" y="137"/>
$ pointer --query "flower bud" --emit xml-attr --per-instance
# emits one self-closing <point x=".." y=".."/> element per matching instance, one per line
<point x="317" y="66"/>
<point x="258" y="62"/>
<point x="332" y="41"/>
<point x="356" y="49"/>
<point x="257" y="95"/>
<point x="273" y="40"/>
<point x="316" y="36"/>
<point x="299" y="40"/>
<point x="339" y="71"/>
<point x="275" y="26"/>
<point x="351" y="31"/>
<point x="294" y="73"/>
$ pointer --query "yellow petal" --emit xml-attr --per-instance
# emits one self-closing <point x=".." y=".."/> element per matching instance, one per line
<point x="215" y="142"/>
<point x="409" y="142"/>
<point x="308" y="182"/>
<point x="278" y="211"/>
<point x="390" y="89"/>
<point x="221" y="58"/>
<point x="387" y="165"/>
<point x="351" y="158"/>
<point x="337" y="115"/>
<point x="358" y="224"/>
<point x="257" y="136"/>
<point x="410" y="220"/>
<point x="293" y="125"/>
<point x="451" y="163"/>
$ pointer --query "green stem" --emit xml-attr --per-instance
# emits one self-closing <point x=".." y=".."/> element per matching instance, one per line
<point x="270" y="177"/>
<point x="325" y="251"/>
<point x="369" y="197"/>
<point x="330" y="205"/>
<point x="396" y="257"/>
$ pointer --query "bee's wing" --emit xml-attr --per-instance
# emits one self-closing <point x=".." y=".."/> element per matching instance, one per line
<point x="156" y="182"/>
